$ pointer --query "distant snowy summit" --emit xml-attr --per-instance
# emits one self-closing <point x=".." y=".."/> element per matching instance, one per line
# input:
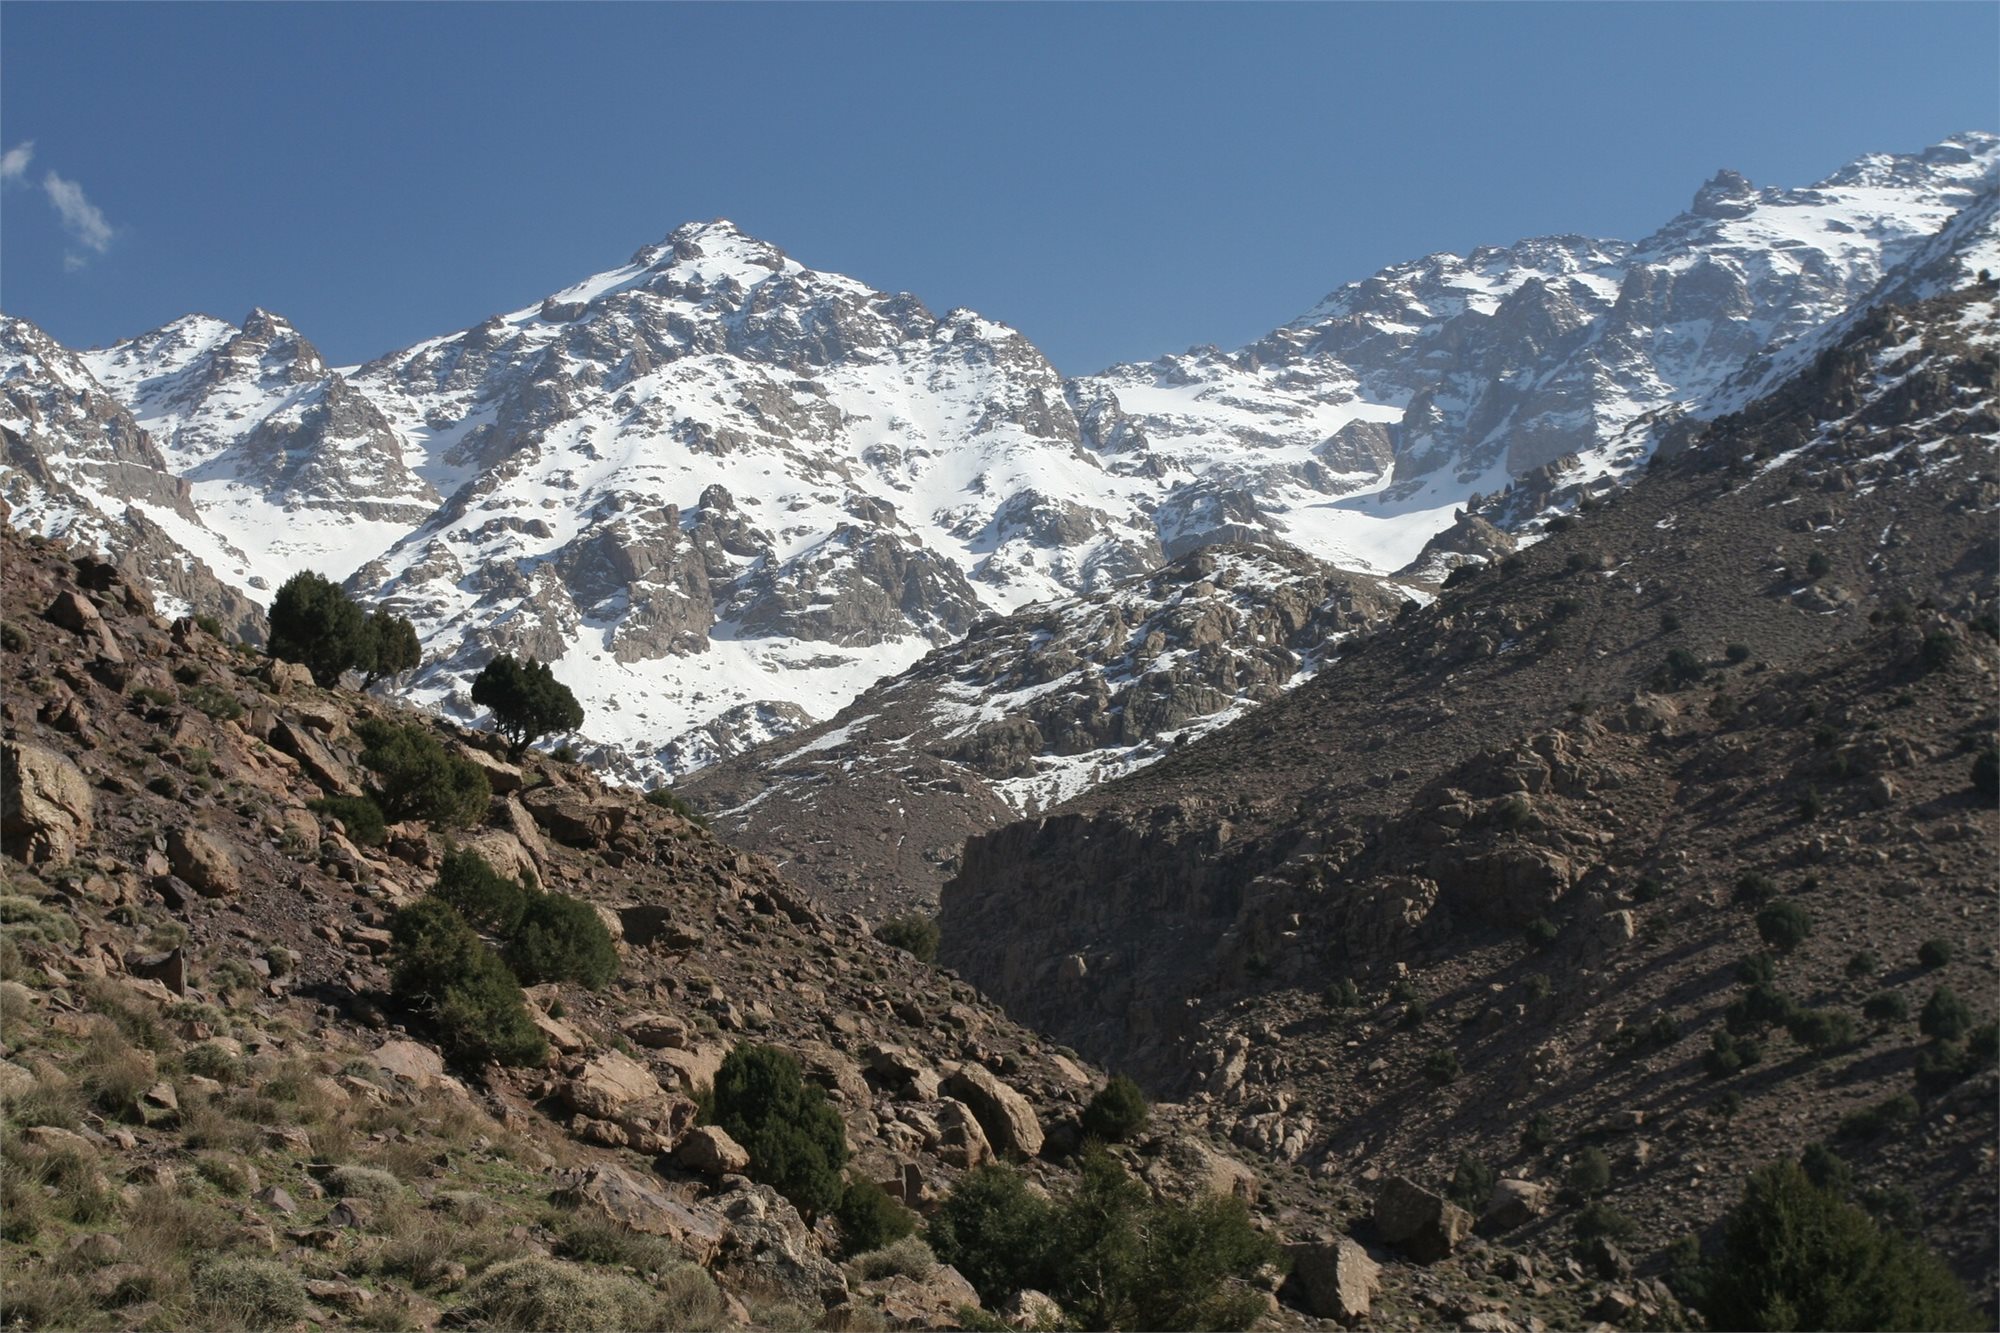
<point x="723" y="492"/>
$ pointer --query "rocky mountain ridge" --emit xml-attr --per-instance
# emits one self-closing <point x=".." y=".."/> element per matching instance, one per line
<point x="723" y="492"/>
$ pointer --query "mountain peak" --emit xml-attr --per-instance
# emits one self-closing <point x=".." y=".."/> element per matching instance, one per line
<point x="1727" y="194"/>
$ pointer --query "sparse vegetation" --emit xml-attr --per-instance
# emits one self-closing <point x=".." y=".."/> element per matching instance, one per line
<point x="1795" y="1255"/>
<point x="1116" y="1112"/>
<point x="526" y="699"/>
<point x="417" y="778"/>
<point x="912" y="932"/>
<point x="1109" y="1254"/>
<point x="794" y="1137"/>
<point x="440" y="964"/>
<point x="359" y="815"/>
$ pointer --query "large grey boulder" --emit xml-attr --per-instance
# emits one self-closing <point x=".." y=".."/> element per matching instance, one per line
<point x="1425" y="1226"/>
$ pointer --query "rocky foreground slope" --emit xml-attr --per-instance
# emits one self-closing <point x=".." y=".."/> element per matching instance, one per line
<point x="1497" y="885"/>
<point x="217" y="1114"/>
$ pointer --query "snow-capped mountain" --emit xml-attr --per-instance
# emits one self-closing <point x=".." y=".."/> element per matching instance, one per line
<point x="1369" y="419"/>
<point x="724" y="492"/>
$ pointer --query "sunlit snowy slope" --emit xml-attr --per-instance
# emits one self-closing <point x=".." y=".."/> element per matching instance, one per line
<point x="724" y="492"/>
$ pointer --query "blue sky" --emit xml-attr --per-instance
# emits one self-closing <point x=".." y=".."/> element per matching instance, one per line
<point x="1117" y="181"/>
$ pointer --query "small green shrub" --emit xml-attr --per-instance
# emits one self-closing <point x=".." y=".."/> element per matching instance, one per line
<point x="914" y="933"/>
<point x="1934" y="953"/>
<point x="1737" y="653"/>
<point x="1821" y="1030"/>
<point x="994" y="1232"/>
<point x="1759" y="969"/>
<point x="1728" y="1054"/>
<point x="1539" y="1133"/>
<point x="1797" y="1256"/>
<point x="1864" y="963"/>
<point x="1590" y="1174"/>
<point x="1885" y="1006"/>
<point x="419" y="778"/>
<point x="1818" y="566"/>
<point x="1754" y="888"/>
<point x="869" y="1219"/>
<point x="1441" y="1066"/>
<point x="554" y="1296"/>
<point x="1944" y="1016"/>
<point x="795" y="1139"/>
<point x="27" y="918"/>
<point x="359" y="815"/>
<point x="1117" y="1112"/>
<point x="908" y="1257"/>
<point x="439" y="962"/>
<point x="1600" y="1219"/>
<point x="249" y="1293"/>
<point x="1537" y="986"/>
<point x="1680" y="669"/>
<point x="1891" y="1114"/>
<point x="1472" y="1183"/>
<point x="1540" y="933"/>
<point x="218" y="703"/>
<point x="561" y="938"/>
<point x="1784" y="926"/>
<point x="486" y="898"/>
<point x="1343" y="994"/>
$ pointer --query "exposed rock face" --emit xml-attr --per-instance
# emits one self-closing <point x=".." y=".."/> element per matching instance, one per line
<point x="1094" y="686"/>
<point x="630" y="1201"/>
<point x="80" y="467"/>
<point x="1009" y="1121"/>
<point x="1423" y="1224"/>
<point x="204" y="862"/>
<point x="1333" y="1279"/>
<point x="45" y="804"/>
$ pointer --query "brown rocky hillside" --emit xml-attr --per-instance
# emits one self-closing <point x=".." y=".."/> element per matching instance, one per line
<point x="217" y="1113"/>
<point x="1488" y="887"/>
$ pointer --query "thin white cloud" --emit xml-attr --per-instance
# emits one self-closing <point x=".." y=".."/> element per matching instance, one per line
<point x="83" y="218"/>
<point x="14" y="162"/>
<point x="72" y="261"/>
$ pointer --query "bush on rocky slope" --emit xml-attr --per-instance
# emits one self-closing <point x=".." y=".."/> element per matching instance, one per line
<point x="1797" y="1255"/>
<point x="795" y="1139"/>
<point x="1111" y="1255"/>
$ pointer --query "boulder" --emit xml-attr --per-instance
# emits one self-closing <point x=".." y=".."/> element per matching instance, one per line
<point x="931" y="1301"/>
<point x="169" y="968"/>
<point x="771" y="1247"/>
<point x="1332" y="1279"/>
<point x="694" y="1067"/>
<point x="1030" y="1309"/>
<point x="45" y="804"/>
<point x="1009" y="1122"/>
<point x="608" y="1084"/>
<point x="657" y="1031"/>
<point x="283" y="677"/>
<point x="633" y="1202"/>
<point x="961" y="1140"/>
<point x="1423" y="1225"/>
<point x="709" y="1150"/>
<point x="292" y="738"/>
<point x="1514" y="1203"/>
<point x="410" y="1060"/>
<point x="203" y="862"/>
<point x="504" y="852"/>
<point x="501" y="776"/>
